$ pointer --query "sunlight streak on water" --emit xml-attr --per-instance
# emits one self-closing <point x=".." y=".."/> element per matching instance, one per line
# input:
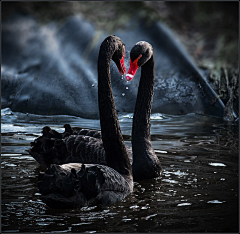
<point x="215" y="202"/>
<point x="217" y="164"/>
<point x="184" y="204"/>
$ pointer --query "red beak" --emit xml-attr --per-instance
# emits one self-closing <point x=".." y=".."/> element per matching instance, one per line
<point x="132" y="69"/>
<point x="120" y="66"/>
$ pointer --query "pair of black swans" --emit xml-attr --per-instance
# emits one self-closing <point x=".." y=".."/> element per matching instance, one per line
<point x="88" y="167"/>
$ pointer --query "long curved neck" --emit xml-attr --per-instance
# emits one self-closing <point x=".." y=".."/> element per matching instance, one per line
<point x="142" y="112"/>
<point x="116" y="153"/>
<point x="145" y="162"/>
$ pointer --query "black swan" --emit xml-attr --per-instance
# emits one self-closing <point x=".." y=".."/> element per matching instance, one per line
<point x="145" y="162"/>
<point x="86" y="145"/>
<point x="76" y="184"/>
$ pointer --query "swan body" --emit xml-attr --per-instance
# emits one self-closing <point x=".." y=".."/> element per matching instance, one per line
<point x="71" y="146"/>
<point x="79" y="146"/>
<point x="79" y="184"/>
<point x="76" y="185"/>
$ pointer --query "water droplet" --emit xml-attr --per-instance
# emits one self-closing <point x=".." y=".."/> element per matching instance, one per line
<point x="126" y="87"/>
<point x="123" y="94"/>
<point x="93" y="85"/>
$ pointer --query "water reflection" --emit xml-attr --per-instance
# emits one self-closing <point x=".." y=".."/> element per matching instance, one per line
<point x="198" y="191"/>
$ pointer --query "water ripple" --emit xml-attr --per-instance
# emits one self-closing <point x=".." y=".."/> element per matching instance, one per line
<point x="199" y="184"/>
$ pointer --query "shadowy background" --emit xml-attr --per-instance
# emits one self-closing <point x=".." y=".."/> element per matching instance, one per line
<point x="208" y="30"/>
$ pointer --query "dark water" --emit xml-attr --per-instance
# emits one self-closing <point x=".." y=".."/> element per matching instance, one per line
<point x="198" y="191"/>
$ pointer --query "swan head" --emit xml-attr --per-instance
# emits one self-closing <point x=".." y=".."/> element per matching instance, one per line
<point x="119" y="54"/>
<point x="139" y="55"/>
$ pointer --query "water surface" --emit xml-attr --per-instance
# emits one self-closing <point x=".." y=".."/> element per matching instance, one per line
<point x="198" y="191"/>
